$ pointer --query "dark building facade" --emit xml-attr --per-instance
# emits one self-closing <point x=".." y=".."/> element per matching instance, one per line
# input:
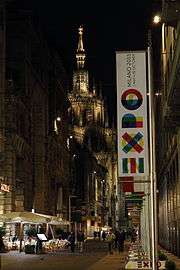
<point x="33" y="119"/>
<point x="168" y="130"/>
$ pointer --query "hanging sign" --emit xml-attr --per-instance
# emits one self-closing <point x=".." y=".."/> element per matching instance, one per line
<point x="3" y="186"/>
<point x="132" y="113"/>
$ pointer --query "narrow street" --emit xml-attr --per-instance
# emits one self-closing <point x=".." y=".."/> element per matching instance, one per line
<point x="89" y="135"/>
<point x="94" y="257"/>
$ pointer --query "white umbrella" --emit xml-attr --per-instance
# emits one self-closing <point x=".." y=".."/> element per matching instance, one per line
<point x="23" y="217"/>
<point x="58" y="221"/>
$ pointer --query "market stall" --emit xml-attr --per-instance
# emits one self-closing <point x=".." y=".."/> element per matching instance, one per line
<point x="22" y="230"/>
<point x="17" y="223"/>
<point x="58" y="242"/>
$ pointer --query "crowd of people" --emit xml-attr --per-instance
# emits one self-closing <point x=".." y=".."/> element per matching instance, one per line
<point x="80" y="241"/>
<point x="114" y="239"/>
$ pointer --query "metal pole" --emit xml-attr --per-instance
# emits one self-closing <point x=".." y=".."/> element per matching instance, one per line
<point x="70" y="196"/>
<point x="75" y="231"/>
<point x="70" y="213"/>
<point x="21" y="236"/>
<point x="152" y="165"/>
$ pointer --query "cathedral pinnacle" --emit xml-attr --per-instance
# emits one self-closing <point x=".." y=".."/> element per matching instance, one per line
<point x="80" y="43"/>
<point x="80" y="56"/>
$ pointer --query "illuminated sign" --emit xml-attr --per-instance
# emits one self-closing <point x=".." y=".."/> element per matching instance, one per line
<point x="4" y="187"/>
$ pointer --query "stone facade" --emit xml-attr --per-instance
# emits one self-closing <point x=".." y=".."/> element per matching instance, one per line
<point x="168" y="130"/>
<point x="33" y="129"/>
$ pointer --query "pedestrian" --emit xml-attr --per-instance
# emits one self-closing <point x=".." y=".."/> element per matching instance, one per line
<point x="103" y="235"/>
<point x="133" y="236"/>
<point x="116" y="239"/>
<point x="120" y="241"/>
<point x="71" y="239"/>
<point x="99" y="235"/>
<point x="60" y="237"/>
<point x="38" y="247"/>
<point x="2" y="246"/>
<point x="110" y="239"/>
<point x="81" y="238"/>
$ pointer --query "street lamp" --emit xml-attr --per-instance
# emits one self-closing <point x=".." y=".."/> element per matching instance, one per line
<point x="157" y="19"/>
<point x="153" y="177"/>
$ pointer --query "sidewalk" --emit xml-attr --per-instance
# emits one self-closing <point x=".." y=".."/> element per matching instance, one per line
<point x="116" y="261"/>
<point x="171" y="257"/>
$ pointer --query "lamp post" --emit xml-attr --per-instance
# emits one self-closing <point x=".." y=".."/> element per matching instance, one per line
<point x="153" y="175"/>
<point x="153" y="179"/>
<point x="70" y="196"/>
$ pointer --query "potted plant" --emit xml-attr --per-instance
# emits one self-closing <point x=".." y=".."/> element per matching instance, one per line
<point x="162" y="256"/>
<point x="170" y="265"/>
<point x="162" y="259"/>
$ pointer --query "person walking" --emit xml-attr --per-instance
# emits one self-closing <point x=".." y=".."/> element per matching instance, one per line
<point x="120" y="241"/>
<point x="71" y="239"/>
<point x="116" y="239"/>
<point x="81" y="239"/>
<point x="110" y="239"/>
<point x="133" y="236"/>
<point x="103" y="235"/>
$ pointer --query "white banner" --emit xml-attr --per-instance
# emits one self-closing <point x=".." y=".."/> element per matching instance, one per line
<point x="132" y="114"/>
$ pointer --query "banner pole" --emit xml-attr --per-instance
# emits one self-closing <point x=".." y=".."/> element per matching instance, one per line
<point x="152" y="165"/>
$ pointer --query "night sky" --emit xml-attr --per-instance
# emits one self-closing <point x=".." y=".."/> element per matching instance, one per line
<point x="107" y="29"/>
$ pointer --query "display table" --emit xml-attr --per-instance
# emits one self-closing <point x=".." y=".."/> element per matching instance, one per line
<point x="55" y="245"/>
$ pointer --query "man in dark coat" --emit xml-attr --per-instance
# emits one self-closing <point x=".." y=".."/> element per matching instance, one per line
<point x="120" y="241"/>
<point x="71" y="239"/>
<point x="81" y="239"/>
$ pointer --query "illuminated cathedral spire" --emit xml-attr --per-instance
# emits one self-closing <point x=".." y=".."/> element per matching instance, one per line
<point x="80" y="77"/>
<point x="80" y="56"/>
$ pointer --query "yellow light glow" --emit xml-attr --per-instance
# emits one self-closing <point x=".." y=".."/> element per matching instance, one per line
<point x="156" y="19"/>
<point x="58" y="119"/>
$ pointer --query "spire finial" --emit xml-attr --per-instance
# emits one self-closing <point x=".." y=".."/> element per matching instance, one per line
<point x="80" y="56"/>
<point x="80" y="43"/>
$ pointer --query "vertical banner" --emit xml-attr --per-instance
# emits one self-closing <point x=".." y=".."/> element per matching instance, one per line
<point x="132" y="113"/>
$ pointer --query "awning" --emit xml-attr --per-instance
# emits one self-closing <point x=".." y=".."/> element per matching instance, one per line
<point x="54" y="220"/>
<point x="23" y="217"/>
<point x="58" y="221"/>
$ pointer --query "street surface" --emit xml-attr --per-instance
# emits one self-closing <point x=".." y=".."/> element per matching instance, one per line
<point x="95" y="257"/>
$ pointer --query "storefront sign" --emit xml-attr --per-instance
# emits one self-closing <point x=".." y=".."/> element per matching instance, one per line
<point x="3" y="186"/>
